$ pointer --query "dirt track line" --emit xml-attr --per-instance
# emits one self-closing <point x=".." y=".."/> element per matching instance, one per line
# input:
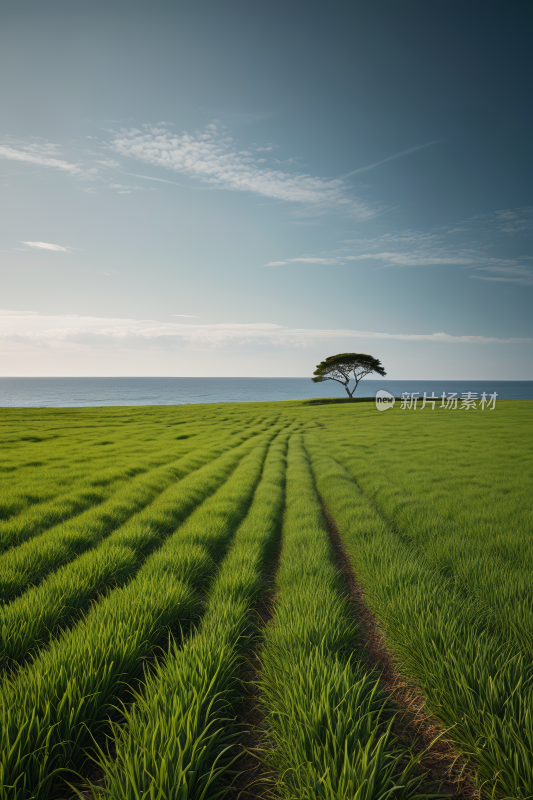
<point x="254" y="779"/>
<point x="414" y="724"/>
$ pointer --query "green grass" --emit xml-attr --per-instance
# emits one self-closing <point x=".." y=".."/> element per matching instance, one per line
<point x="48" y="707"/>
<point x="445" y="566"/>
<point x="328" y="720"/>
<point x="26" y="565"/>
<point x="30" y="620"/>
<point x="178" y="737"/>
<point x="132" y="546"/>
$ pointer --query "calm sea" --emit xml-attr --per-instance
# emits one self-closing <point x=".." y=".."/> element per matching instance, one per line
<point x="69" y="392"/>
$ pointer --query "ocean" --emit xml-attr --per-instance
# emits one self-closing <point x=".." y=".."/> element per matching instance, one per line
<point x="76" y="392"/>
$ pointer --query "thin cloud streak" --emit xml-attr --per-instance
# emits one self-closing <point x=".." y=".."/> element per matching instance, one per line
<point x="33" y="328"/>
<point x="466" y="244"/>
<point x="47" y="246"/>
<point x="41" y="158"/>
<point x="147" y="178"/>
<point x="526" y="281"/>
<point x="390" y="158"/>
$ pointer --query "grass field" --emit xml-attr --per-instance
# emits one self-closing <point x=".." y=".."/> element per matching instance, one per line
<point x="176" y="601"/>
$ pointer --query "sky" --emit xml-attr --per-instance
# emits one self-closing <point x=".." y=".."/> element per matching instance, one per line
<point x="227" y="188"/>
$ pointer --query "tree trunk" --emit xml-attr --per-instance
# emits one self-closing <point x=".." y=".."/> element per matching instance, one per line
<point x="353" y="390"/>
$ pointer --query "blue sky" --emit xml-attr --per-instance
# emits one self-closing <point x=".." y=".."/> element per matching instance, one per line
<point x="244" y="188"/>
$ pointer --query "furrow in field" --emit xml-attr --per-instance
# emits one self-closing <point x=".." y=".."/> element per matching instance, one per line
<point x="30" y="620"/>
<point x="475" y="685"/>
<point x="64" y="464"/>
<point x="52" y="709"/>
<point x="328" y="721"/>
<point x="59" y="467"/>
<point x="30" y="504"/>
<point x="40" y="503"/>
<point x="464" y="504"/>
<point x="414" y="725"/>
<point x="38" y="518"/>
<point x="179" y="738"/>
<point x="253" y="778"/>
<point x="29" y="563"/>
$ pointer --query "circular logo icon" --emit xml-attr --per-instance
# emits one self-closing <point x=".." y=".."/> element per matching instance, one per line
<point x="384" y="400"/>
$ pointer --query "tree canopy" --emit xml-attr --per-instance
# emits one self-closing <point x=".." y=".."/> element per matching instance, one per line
<point x="344" y="366"/>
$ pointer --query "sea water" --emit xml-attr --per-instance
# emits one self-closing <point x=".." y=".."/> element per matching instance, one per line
<point x="70" y="392"/>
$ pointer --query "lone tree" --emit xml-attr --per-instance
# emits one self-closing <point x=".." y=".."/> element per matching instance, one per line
<point x="340" y="368"/>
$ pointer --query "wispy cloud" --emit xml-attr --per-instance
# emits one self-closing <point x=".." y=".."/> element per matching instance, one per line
<point x="6" y="312"/>
<point x="214" y="158"/>
<point x="32" y="328"/>
<point x="293" y="161"/>
<point x="390" y="158"/>
<point x="45" y="155"/>
<point x="416" y="259"/>
<point x="509" y="270"/>
<point x="525" y="280"/>
<point x="148" y="178"/>
<point x="305" y="260"/>
<point x="211" y="156"/>
<point x="47" y="246"/>
<point x="90" y="164"/>
<point x="111" y="163"/>
<point x="125" y="189"/>
<point x="473" y="243"/>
